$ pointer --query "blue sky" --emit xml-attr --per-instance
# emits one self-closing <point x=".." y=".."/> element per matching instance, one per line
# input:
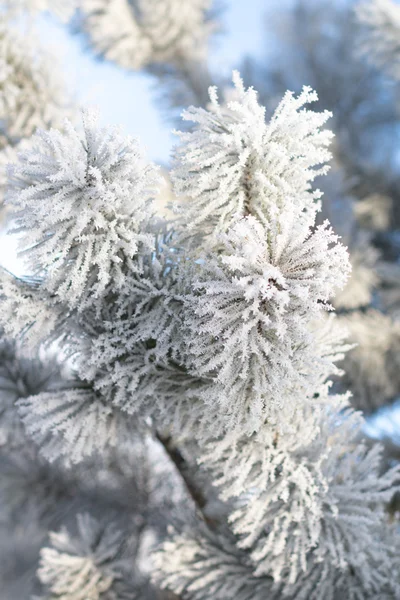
<point x="126" y="98"/>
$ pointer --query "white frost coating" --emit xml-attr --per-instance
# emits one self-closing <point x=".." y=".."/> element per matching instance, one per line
<point x="250" y="312"/>
<point x="311" y="518"/>
<point x="208" y="566"/>
<point x="73" y="423"/>
<point x="137" y="33"/>
<point x="84" y="566"/>
<point x="100" y="190"/>
<point x="356" y="553"/>
<point x="278" y="486"/>
<point x="217" y="336"/>
<point x="235" y="164"/>
<point x="26" y="311"/>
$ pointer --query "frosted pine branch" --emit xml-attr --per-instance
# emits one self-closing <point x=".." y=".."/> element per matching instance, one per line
<point x="201" y="565"/>
<point x="252" y="308"/>
<point x="72" y="423"/>
<point x="100" y="189"/>
<point x="214" y="336"/>
<point x="136" y="34"/>
<point x="28" y="311"/>
<point x="235" y="164"/>
<point x="89" y="564"/>
<point x="21" y="377"/>
<point x="317" y="528"/>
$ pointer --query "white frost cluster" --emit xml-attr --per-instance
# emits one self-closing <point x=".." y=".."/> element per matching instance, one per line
<point x="309" y="521"/>
<point x="382" y="20"/>
<point x="237" y="332"/>
<point x="208" y="566"/>
<point x="306" y="511"/>
<point x="235" y="164"/>
<point x="26" y="311"/>
<point x="307" y="496"/>
<point x="355" y="556"/>
<point x="86" y="565"/>
<point x="264" y="272"/>
<point x="100" y="190"/>
<point x="249" y="316"/>
<point x="215" y="334"/>
<point x="72" y="424"/>
<point x="138" y="33"/>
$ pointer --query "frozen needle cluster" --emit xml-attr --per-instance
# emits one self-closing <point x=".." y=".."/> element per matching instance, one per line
<point x="212" y="332"/>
